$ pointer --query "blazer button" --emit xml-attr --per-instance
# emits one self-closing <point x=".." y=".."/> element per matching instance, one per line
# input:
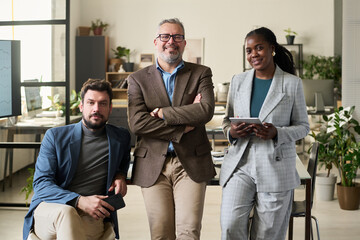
<point x="277" y="158"/>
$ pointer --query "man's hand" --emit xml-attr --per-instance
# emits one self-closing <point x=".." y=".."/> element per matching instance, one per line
<point x="197" y="98"/>
<point x="188" y="129"/>
<point x="95" y="206"/>
<point x="119" y="184"/>
<point x="159" y="113"/>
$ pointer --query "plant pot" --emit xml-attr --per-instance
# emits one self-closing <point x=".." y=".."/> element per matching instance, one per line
<point x="98" y="31"/>
<point x="349" y="197"/>
<point x="128" y="66"/>
<point x="59" y="113"/>
<point x="325" y="187"/>
<point x="290" y="39"/>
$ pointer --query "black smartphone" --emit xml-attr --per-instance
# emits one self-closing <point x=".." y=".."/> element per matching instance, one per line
<point x="116" y="201"/>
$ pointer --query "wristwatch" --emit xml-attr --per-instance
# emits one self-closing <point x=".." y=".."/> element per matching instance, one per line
<point x="156" y="112"/>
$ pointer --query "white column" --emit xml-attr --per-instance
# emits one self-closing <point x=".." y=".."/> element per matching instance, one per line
<point x="351" y="56"/>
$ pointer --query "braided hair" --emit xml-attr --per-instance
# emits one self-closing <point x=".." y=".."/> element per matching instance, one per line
<point x="283" y="58"/>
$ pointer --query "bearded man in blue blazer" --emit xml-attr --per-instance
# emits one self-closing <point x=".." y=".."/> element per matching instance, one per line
<point x="78" y="166"/>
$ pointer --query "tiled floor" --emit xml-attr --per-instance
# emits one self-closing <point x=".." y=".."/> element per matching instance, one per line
<point x="335" y="224"/>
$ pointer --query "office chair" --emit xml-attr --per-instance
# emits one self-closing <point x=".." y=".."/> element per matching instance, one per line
<point x="299" y="207"/>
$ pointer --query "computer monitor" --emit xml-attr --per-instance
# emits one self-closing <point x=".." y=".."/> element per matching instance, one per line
<point x="33" y="99"/>
<point x="319" y="93"/>
<point x="10" y="94"/>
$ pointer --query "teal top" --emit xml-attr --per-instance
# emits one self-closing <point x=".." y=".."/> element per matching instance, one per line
<point x="260" y="89"/>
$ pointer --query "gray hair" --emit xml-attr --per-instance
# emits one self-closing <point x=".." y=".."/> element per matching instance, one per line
<point x="173" y="21"/>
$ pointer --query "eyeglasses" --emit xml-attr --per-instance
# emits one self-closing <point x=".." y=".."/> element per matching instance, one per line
<point x="166" y="37"/>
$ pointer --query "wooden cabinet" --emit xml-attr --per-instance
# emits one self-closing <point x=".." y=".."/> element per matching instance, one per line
<point x="118" y="116"/>
<point x="119" y="84"/>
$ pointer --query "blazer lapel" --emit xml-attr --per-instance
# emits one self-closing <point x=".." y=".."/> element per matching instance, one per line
<point x="182" y="79"/>
<point x="75" y="145"/>
<point x="114" y="149"/>
<point x="244" y="96"/>
<point x="157" y="83"/>
<point x="275" y="94"/>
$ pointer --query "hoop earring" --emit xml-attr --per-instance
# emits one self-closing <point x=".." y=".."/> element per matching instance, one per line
<point x="273" y="54"/>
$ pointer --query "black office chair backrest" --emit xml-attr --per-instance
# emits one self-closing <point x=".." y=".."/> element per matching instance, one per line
<point x="312" y="166"/>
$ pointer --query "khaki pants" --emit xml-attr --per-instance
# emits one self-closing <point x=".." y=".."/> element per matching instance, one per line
<point x="174" y="204"/>
<point x="63" y="222"/>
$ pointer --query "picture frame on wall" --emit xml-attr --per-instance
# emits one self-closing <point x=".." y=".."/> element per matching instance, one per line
<point x="146" y="59"/>
<point x="194" y="51"/>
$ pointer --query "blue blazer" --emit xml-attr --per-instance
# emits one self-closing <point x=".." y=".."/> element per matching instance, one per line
<point x="56" y="165"/>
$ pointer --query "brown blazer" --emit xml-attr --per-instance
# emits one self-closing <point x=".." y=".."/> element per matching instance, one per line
<point x="146" y="92"/>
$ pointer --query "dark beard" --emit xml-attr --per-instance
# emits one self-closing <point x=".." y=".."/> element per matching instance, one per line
<point x="96" y="126"/>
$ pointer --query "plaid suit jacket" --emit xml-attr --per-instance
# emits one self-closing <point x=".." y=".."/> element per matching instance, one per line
<point x="284" y="107"/>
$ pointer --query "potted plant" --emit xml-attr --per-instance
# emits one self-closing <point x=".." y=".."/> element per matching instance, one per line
<point x="58" y="105"/>
<point x="75" y="99"/>
<point x="98" y="27"/>
<point x="116" y="61"/>
<point x="322" y="67"/>
<point x="325" y="182"/>
<point x="28" y="189"/>
<point x="343" y="152"/>
<point x="290" y="36"/>
<point x="124" y="52"/>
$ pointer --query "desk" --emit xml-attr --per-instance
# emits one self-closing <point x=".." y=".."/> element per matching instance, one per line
<point x="33" y="126"/>
<point x="214" y="129"/>
<point x="326" y="112"/>
<point x="213" y="132"/>
<point x="305" y="180"/>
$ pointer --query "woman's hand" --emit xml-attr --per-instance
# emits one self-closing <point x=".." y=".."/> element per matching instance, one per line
<point x="265" y="131"/>
<point x="240" y="129"/>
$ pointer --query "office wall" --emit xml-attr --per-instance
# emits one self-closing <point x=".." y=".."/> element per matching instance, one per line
<point x="222" y="24"/>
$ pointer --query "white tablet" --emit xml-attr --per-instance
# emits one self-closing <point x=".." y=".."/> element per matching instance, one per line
<point x="246" y="120"/>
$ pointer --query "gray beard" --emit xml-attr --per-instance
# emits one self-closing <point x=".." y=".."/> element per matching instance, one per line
<point x="172" y="59"/>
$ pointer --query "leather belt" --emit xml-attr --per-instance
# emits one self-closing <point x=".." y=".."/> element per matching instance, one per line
<point x="171" y="154"/>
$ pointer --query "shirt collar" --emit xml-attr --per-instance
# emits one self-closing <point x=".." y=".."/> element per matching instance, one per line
<point x="180" y="66"/>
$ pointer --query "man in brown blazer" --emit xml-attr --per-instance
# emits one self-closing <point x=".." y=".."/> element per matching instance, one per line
<point x="169" y="104"/>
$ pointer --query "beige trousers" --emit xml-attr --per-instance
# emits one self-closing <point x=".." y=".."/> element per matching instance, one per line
<point x="63" y="222"/>
<point x="174" y="204"/>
